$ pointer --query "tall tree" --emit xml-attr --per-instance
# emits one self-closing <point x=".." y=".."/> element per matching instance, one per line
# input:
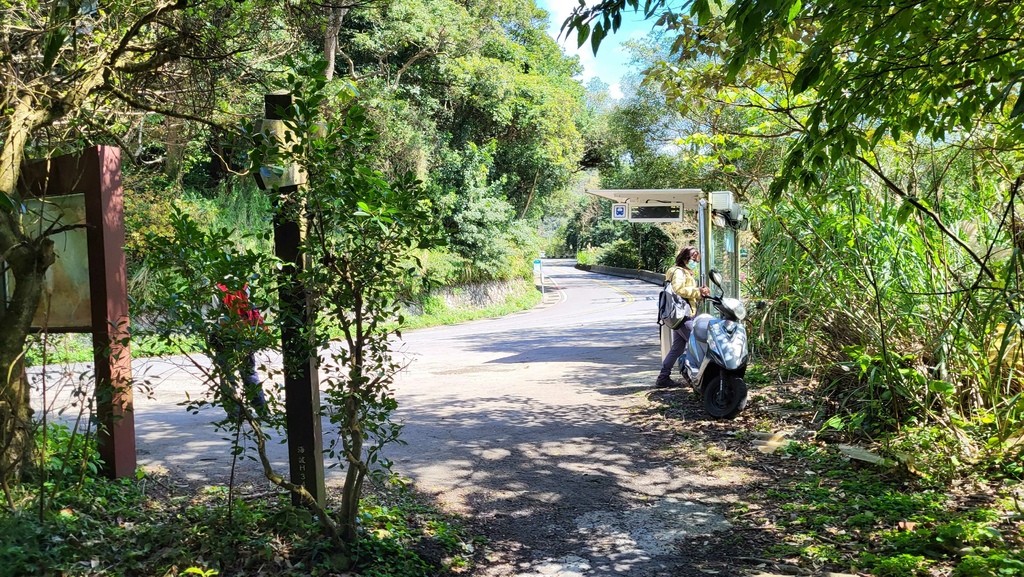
<point x="471" y="72"/>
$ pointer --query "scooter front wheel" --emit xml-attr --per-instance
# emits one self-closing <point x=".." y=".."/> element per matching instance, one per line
<point x="724" y="398"/>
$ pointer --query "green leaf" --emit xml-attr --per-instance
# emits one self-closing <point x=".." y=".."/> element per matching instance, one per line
<point x="596" y="38"/>
<point x="991" y="533"/>
<point x="1018" y="107"/>
<point x="794" y="11"/>
<point x="805" y="78"/>
<point x="581" y="34"/>
<point x="702" y="10"/>
<point x="834" y="422"/>
<point x="906" y="209"/>
<point x="54" y="41"/>
<point x="941" y="387"/>
<point x="7" y="204"/>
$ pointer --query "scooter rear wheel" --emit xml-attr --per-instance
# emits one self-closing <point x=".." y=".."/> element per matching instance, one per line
<point x="725" y="398"/>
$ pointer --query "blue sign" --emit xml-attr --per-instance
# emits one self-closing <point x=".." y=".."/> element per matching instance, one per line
<point x="619" y="212"/>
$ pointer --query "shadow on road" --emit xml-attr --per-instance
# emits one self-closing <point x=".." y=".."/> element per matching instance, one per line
<point x="537" y="427"/>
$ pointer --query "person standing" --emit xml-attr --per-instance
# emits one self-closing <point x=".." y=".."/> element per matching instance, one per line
<point x="238" y="317"/>
<point x="683" y="277"/>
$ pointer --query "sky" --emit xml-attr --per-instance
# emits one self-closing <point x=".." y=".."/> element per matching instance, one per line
<point x="610" y="63"/>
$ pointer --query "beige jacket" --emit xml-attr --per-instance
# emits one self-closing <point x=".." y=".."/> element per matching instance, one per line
<point x="684" y="285"/>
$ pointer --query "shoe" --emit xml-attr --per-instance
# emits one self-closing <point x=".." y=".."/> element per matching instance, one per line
<point x="666" y="382"/>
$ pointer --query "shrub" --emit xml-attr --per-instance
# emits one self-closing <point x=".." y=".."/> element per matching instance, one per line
<point x="902" y="565"/>
<point x="588" y="256"/>
<point x="620" y="253"/>
<point x="998" y="564"/>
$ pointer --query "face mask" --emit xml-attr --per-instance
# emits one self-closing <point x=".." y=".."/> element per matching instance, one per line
<point x="694" y="265"/>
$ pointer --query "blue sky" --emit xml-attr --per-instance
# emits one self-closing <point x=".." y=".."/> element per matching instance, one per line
<point x="610" y="63"/>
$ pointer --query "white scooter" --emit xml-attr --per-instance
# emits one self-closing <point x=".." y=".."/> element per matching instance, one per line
<point x="716" y="356"/>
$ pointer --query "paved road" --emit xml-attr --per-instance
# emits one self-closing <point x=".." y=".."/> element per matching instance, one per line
<point x="521" y="422"/>
<point x="518" y="421"/>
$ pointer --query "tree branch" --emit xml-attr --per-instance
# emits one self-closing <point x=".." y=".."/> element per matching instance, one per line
<point x="352" y="68"/>
<point x="913" y="200"/>
<point x="136" y="28"/>
<point x="419" y="55"/>
<point x="167" y="112"/>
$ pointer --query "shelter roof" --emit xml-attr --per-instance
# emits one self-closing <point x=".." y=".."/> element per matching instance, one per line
<point x="689" y="197"/>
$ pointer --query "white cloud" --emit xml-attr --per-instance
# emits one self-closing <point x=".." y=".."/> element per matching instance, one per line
<point x="557" y="13"/>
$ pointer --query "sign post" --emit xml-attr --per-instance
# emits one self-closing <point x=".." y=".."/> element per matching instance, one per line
<point x="83" y="193"/>
<point x="538" y="268"/>
<point x="301" y="375"/>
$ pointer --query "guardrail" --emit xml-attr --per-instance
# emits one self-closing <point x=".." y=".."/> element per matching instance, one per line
<point x="657" y="278"/>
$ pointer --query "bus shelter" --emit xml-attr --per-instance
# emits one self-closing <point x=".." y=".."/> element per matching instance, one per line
<point x="719" y="219"/>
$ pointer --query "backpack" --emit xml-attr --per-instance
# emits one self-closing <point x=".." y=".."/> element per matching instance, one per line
<point x="673" y="310"/>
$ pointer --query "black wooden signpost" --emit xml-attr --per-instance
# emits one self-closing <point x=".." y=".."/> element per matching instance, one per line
<point x="301" y="378"/>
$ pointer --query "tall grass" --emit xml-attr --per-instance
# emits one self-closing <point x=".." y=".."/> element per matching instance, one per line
<point x="900" y="325"/>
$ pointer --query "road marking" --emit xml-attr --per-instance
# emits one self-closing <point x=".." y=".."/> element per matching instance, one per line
<point x="629" y="297"/>
<point x="558" y="290"/>
<point x="628" y="300"/>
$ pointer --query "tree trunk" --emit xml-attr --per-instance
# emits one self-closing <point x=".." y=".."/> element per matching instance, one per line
<point x="27" y="260"/>
<point x="353" y="487"/>
<point x="175" y="139"/>
<point x="335" y="16"/>
<point x="28" y="263"/>
<point x="530" y="197"/>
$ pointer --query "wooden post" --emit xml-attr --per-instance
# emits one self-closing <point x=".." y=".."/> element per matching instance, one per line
<point x="104" y="211"/>
<point x="301" y="377"/>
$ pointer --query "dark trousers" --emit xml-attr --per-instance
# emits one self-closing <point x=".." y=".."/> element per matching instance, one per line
<point x="680" y="337"/>
<point x="252" y="387"/>
<point x="251" y="383"/>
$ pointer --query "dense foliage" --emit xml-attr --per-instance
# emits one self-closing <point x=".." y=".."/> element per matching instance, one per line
<point x="154" y="525"/>
<point x="887" y="168"/>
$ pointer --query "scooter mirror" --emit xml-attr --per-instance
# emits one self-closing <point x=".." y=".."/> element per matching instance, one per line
<point x="716" y="278"/>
